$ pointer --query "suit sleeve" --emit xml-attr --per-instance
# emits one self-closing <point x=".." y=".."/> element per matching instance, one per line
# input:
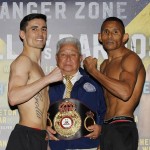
<point x="101" y="105"/>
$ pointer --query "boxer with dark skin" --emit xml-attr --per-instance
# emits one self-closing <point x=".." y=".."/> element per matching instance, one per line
<point x="122" y="76"/>
<point x="28" y="86"/>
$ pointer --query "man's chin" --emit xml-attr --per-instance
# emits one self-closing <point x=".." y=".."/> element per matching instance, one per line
<point x="68" y="71"/>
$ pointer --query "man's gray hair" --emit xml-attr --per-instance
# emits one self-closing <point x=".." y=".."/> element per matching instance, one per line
<point x="68" y="40"/>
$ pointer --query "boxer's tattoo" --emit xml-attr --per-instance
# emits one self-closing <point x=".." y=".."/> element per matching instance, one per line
<point x="38" y="98"/>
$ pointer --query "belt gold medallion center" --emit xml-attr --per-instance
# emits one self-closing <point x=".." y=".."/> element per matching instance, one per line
<point x="67" y="122"/>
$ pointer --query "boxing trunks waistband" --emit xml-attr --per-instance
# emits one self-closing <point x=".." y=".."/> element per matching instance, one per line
<point x="70" y="118"/>
<point x="119" y="119"/>
<point x="41" y="133"/>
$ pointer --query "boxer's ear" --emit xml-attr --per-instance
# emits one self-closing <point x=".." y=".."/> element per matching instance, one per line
<point x="22" y="34"/>
<point x="125" y="37"/>
<point x="100" y="37"/>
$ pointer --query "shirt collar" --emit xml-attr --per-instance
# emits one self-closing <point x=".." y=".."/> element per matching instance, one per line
<point x="75" y="77"/>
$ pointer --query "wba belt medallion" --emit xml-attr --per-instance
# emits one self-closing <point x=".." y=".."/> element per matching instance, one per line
<point x="70" y="118"/>
<point x="67" y="121"/>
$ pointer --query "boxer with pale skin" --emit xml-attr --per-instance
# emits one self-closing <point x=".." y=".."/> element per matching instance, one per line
<point x="122" y="76"/>
<point x="28" y="86"/>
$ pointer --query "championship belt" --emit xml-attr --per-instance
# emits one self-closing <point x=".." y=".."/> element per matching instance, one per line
<point x="70" y="118"/>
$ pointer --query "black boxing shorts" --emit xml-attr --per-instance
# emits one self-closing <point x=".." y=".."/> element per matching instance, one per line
<point x="119" y="133"/>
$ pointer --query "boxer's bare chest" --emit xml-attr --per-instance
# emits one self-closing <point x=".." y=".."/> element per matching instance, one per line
<point x="113" y="68"/>
<point x="36" y="72"/>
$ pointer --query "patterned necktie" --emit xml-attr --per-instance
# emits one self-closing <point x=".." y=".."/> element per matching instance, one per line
<point x="68" y="86"/>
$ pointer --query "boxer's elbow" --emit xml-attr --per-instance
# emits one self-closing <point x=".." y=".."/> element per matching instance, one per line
<point x="11" y="99"/>
<point x="126" y="95"/>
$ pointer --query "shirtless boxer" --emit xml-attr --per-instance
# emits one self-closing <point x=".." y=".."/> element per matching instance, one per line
<point x="27" y="88"/>
<point x="122" y="76"/>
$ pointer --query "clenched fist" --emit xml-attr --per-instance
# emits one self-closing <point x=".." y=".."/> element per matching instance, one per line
<point x="90" y="63"/>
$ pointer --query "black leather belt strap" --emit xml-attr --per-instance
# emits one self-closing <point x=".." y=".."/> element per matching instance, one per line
<point x="70" y="119"/>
